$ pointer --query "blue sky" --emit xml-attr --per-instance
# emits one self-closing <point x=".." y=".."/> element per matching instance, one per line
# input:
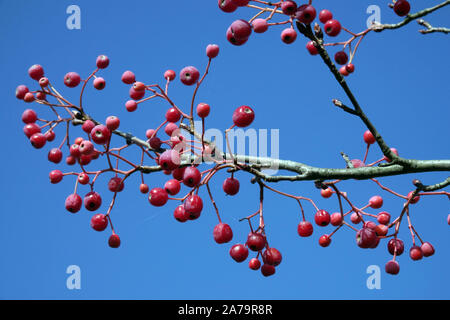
<point x="400" y="80"/>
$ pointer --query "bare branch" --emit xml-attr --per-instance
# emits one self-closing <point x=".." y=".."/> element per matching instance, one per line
<point x="430" y="28"/>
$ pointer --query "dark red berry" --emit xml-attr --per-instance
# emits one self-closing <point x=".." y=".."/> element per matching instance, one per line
<point x="332" y="28"/>
<point x="376" y="202"/>
<point x="326" y="193"/>
<point x="231" y="186"/>
<point x="312" y="48"/>
<point x="99" y="83"/>
<point x="173" y="115"/>
<point x="86" y="147"/>
<point x="395" y="244"/>
<point x="288" y="7"/>
<point x="38" y="140"/>
<point x="169" y="159"/>
<point x="241" y="29"/>
<point x="413" y="200"/>
<point x="256" y="241"/>
<point x="50" y="135"/>
<point x="243" y="116"/>
<point x="368" y="137"/>
<point x="415" y="253"/>
<point x="100" y="134"/>
<point x="383" y="217"/>
<point x="112" y="123"/>
<point x="143" y="188"/>
<point x="260" y="25"/>
<point x="222" y="233"/>
<point x="305" y="229"/>
<point x="114" y="241"/>
<point x="392" y="267"/>
<point x="73" y="203"/>
<point x="178" y="173"/>
<point x="288" y="35"/>
<point x="115" y="184"/>
<point x="99" y="222"/>
<point x="272" y="256"/>
<point x="402" y="7"/>
<point x="203" y="110"/>
<point x="341" y="57"/>
<point x="193" y="206"/>
<point x="336" y="219"/>
<point x="55" y="155"/>
<point x="83" y="178"/>
<point x="92" y="201"/>
<point x="31" y="129"/>
<point x="212" y="51"/>
<point x="366" y="237"/>
<point x="21" y="91"/>
<point x="325" y="15"/>
<point x="267" y="270"/>
<point x="305" y="14"/>
<point x="135" y="95"/>
<point x="227" y="5"/>
<point x="233" y="40"/>
<point x="180" y="214"/>
<point x="239" y="252"/>
<point x="324" y="241"/>
<point x="102" y="61"/>
<point x="254" y="264"/>
<point x="158" y="197"/>
<point x="29" y="97"/>
<point x="128" y="77"/>
<point x="427" y="249"/>
<point x="87" y="126"/>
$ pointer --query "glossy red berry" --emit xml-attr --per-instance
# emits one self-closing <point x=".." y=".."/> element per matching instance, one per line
<point x="322" y="218"/>
<point x="427" y="249"/>
<point x="241" y="29"/>
<point x="381" y="230"/>
<point x="256" y="241"/>
<point x="288" y="7"/>
<point x="102" y="61"/>
<point x="128" y="77"/>
<point x="36" y="72"/>
<point x="415" y="253"/>
<point x="260" y="25"/>
<point x="227" y="5"/>
<point x="239" y="252"/>
<point x="72" y="79"/>
<point x="212" y="51"/>
<point x="254" y="264"/>
<point x="55" y="155"/>
<point x="143" y="188"/>
<point x="305" y="14"/>
<point x="135" y="94"/>
<point x="29" y="97"/>
<point x="193" y="206"/>
<point x="44" y="82"/>
<point x="413" y="200"/>
<point x="83" y="178"/>
<point x="222" y="233"/>
<point x="86" y="147"/>
<point x="99" y="222"/>
<point x="305" y="229"/>
<point x="288" y="35"/>
<point x="376" y="202"/>
<point x="99" y="83"/>
<point x="272" y="256"/>
<point x="326" y="193"/>
<point x="112" y="123"/>
<point x="395" y="244"/>
<point x="312" y="48"/>
<point x="343" y="71"/>
<point x="73" y="203"/>
<point x="100" y="134"/>
<point x="203" y="110"/>
<point x="324" y="241"/>
<point x="189" y="75"/>
<point x="368" y="137"/>
<point x="180" y="214"/>
<point x="350" y="68"/>
<point x="50" y="135"/>
<point x="341" y="57"/>
<point x="402" y="7"/>
<point x="231" y="186"/>
<point x="158" y="197"/>
<point x="169" y="159"/>
<point x="355" y="218"/>
<point x="243" y="116"/>
<point x="21" y="91"/>
<point x="172" y="187"/>
<point x="392" y="267"/>
<point x="383" y="217"/>
<point x="325" y="15"/>
<point x="173" y="115"/>
<point x="114" y="241"/>
<point x="115" y="184"/>
<point x="336" y="219"/>
<point x="87" y="126"/>
<point x="332" y="28"/>
<point x="55" y="176"/>
<point x="75" y="150"/>
<point x="366" y="238"/>
<point x="267" y="270"/>
<point x="170" y="128"/>
<point x="92" y="201"/>
<point x="233" y="40"/>
<point x="38" y="140"/>
<point x="29" y="116"/>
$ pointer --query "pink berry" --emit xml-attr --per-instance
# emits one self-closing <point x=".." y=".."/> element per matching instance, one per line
<point x="135" y="94"/>
<point x="139" y="86"/>
<point x="415" y="253"/>
<point x="55" y="176"/>
<point x="241" y="29"/>
<point x="83" y="178"/>
<point x="21" y="91"/>
<point x="254" y="264"/>
<point x="243" y="116"/>
<point x="169" y="159"/>
<point x="267" y="270"/>
<point x="38" y="140"/>
<point x="29" y="97"/>
<point x="114" y="241"/>
<point x="376" y="202"/>
<point x="324" y="241"/>
<point x="29" y="116"/>
<point x="427" y="249"/>
<point x="128" y="77"/>
<point x="239" y="252"/>
<point x="169" y="75"/>
<point x="343" y="71"/>
<point x="305" y="14"/>
<point x="305" y="229"/>
<point x="73" y="203"/>
<point x="100" y="134"/>
<point x="72" y="79"/>
<point x="256" y="241"/>
<point x="191" y="177"/>
<point x="222" y="233"/>
<point x="36" y="72"/>
<point x="92" y="201"/>
<point x="203" y="110"/>
<point x="288" y="7"/>
<point x="143" y="188"/>
<point x="392" y="267"/>
<point x="312" y="48"/>
<point x="87" y="126"/>
<point x="402" y="7"/>
<point x="357" y="163"/>
<point x="383" y="217"/>
<point x="99" y="222"/>
<point x="99" y="83"/>
<point x="395" y="245"/>
<point x="322" y="218"/>
<point x="332" y="28"/>
<point x="112" y="123"/>
<point x="102" y="61"/>
<point x="227" y="5"/>
<point x="413" y="200"/>
<point x="86" y="147"/>
<point x="189" y="75"/>
<point x="355" y="218"/>
<point x="172" y="187"/>
<point x="158" y="197"/>
<point x="260" y="25"/>
<point x="272" y="256"/>
<point x="341" y="57"/>
<point x="336" y="219"/>
<point x="173" y="115"/>
<point x="75" y="150"/>
<point x="231" y="186"/>
<point x="193" y="206"/>
<point x="368" y="137"/>
<point x="212" y="51"/>
<point x="233" y="40"/>
<point x="170" y="128"/>
<point x="116" y="184"/>
<point x="325" y="15"/>
<point x="131" y="105"/>
<point x="394" y="151"/>
<point x="288" y="35"/>
<point x="55" y="155"/>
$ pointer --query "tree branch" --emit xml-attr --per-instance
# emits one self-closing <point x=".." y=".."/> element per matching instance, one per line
<point x="430" y="28"/>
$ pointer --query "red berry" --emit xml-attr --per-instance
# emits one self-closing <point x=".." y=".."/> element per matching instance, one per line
<point x="178" y="173"/>
<point x="212" y="51"/>
<point x="332" y="28"/>
<point x="99" y="83"/>
<point x="381" y="230"/>
<point x="260" y="25"/>
<point x="239" y="252"/>
<point x="100" y="134"/>
<point x="155" y="143"/>
<point x="99" y="222"/>
<point x="173" y="115"/>
<point x="272" y="256"/>
<point x="288" y="35"/>
<point x="343" y="71"/>
<point x="114" y="241"/>
<point x="40" y="95"/>
<point x="189" y="75"/>
<point x="203" y="110"/>
<point x="21" y="91"/>
<point x="102" y="61"/>
<point x="233" y="40"/>
<point x="324" y="241"/>
<point x="88" y="125"/>
<point x="169" y="159"/>
<point x="193" y="206"/>
<point x="241" y="29"/>
<point x="222" y="233"/>
<point x="29" y="97"/>
<point x="355" y="218"/>
<point x="325" y="15"/>
<point x="143" y="188"/>
<point x="383" y="217"/>
<point x="75" y="150"/>
<point x="72" y="79"/>
<point x="83" y="178"/>
<point x="55" y="176"/>
<point x="368" y="137"/>
<point x="29" y="116"/>
<point x="92" y="201"/>
<point x="172" y="187"/>
<point x="139" y="86"/>
<point x="312" y="48"/>
<point x="254" y="264"/>
<point x="158" y="197"/>
<point x="71" y="160"/>
<point x="376" y="202"/>
<point x="50" y="135"/>
<point x="38" y="140"/>
<point x="227" y="5"/>
<point x="289" y="7"/>
<point x="267" y="270"/>
<point x="116" y="184"/>
<point x="231" y="186"/>
<point x="170" y="128"/>
<point x="392" y="267"/>
<point x="256" y="241"/>
<point x="413" y="200"/>
<point x="128" y="77"/>
<point x="395" y="244"/>
<point x="336" y="219"/>
<point x="341" y="58"/>
<point x="427" y="249"/>
<point x="243" y="116"/>
<point x="36" y="72"/>
<point x="305" y="14"/>
<point x="135" y="94"/>
<point x="370" y="224"/>
<point x="357" y="163"/>
<point x="326" y="193"/>
<point x="305" y="229"/>
<point x="322" y="218"/>
<point x="55" y="155"/>
<point x="366" y="237"/>
<point x="169" y="75"/>
<point x="180" y="214"/>
<point x="415" y="253"/>
<point x="131" y="105"/>
<point x="44" y="82"/>
<point x="394" y="151"/>
<point x="112" y="123"/>
<point x="73" y="203"/>
<point x="350" y="68"/>
<point x="86" y="147"/>
<point x="402" y="7"/>
<point x="84" y="160"/>
<point x="241" y="3"/>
